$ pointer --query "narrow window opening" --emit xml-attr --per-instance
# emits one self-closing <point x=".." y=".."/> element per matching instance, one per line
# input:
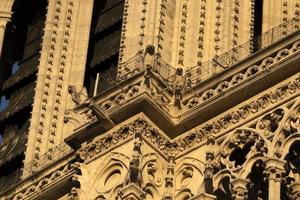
<point x="223" y="192"/>
<point x="258" y="187"/>
<point x="104" y="46"/>
<point x="258" y="17"/>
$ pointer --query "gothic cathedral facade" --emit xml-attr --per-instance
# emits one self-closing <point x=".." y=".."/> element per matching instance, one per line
<point x="150" y="99"/>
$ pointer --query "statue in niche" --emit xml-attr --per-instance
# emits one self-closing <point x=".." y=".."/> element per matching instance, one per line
<point x="134" y="174"/>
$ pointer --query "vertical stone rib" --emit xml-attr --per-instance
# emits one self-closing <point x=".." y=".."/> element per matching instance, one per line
<point x="32" y="144"/>
<point x="63" y="56"/>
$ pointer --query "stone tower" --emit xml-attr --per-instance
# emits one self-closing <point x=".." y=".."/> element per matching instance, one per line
<point x="150" y="99"/>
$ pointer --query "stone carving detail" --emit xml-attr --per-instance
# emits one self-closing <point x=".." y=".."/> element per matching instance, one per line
<point x="134" y="174"/>
<point x="270" y="122"/>
<point x="188" y="177"/>
<point x="78" y="97"/>
<point x="42" y="184"/>
<point x="239" y="190"/>
<point x="191" y="139"/>
<point x="292" y="124"/>
<point x="109" y="140"/>
<point x="245" y="141"/>
<point x="175" y="87"/>
<point x="210" y="165"/>
<point x="248" y="109"/>
<point x="122" y="97"/>
<point x="169" y="179"/>
<point x="146" y="173"/>
<point x="238" y="78"/>
<point x="152" y="170"/>
<point x="74" y="119"/>
<point x="262" y="138"/>
<point x="178" y="84"/>
<point x="148" y="60"/>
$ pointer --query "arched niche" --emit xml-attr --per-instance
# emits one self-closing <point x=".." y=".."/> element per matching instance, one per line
<point x="222" y="186"/>
<point x="258" y="186"/>
<point x="189" y="173"/>
<point x="240" y="146"/>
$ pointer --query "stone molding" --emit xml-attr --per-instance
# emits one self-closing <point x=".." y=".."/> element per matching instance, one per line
<point x="190" y="102"/>
<point x="248" y="110"/>
<point x="163" y="98"/>
<point x="62" y="63"/>
<point x="42" y="184"/>
<point x="166" y="147"/>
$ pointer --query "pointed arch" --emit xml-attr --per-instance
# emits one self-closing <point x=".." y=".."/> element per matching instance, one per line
<point x="219" y="176"/>
<point x="111" y="171"/>
<point x="237" y="135"/>
<point x="287" y="143"/>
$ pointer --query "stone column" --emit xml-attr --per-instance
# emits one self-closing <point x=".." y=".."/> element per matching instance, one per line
<point x="5" y="17"/>
<point x="239" y="189"/>
<point x="274" y="171"/>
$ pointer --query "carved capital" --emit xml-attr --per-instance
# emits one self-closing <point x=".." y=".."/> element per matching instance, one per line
<point x="73" y="195"/>
<point x="295" y="190"/>
<point x="275" y="169"/>
<point x="239" y="189"/>
<point x="5" y="15"/>
<point x="131" y="192"/>
<point x="274" y="174"/>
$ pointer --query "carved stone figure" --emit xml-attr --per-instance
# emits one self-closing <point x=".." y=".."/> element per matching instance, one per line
<point x="78" y="97"/>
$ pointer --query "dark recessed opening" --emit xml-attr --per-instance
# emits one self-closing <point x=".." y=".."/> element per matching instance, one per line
<point x="258" y="187"/>
<point x="224" y="192"/>
<point x="12" y="165"/>
<point x="239" y="155"/>
<point x="258" y="17"/>
<point x="23" y="30"/>
<point x="104" y="45"/>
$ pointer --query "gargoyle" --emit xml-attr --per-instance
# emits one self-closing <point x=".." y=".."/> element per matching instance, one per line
<point x="100" y="114"/>
<point x="78" y="97"/>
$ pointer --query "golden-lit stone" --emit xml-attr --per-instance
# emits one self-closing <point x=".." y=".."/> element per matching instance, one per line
<point x="201" y="110"/>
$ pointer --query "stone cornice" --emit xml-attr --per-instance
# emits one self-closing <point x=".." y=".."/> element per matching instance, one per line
<point x="249" y="110"/>
<point x="133" y="96"/>
<point x="185" y="143"/>
<point x="124" y="133"/>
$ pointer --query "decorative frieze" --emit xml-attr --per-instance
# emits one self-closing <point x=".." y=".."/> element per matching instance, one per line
<point x="141" y="131"/>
